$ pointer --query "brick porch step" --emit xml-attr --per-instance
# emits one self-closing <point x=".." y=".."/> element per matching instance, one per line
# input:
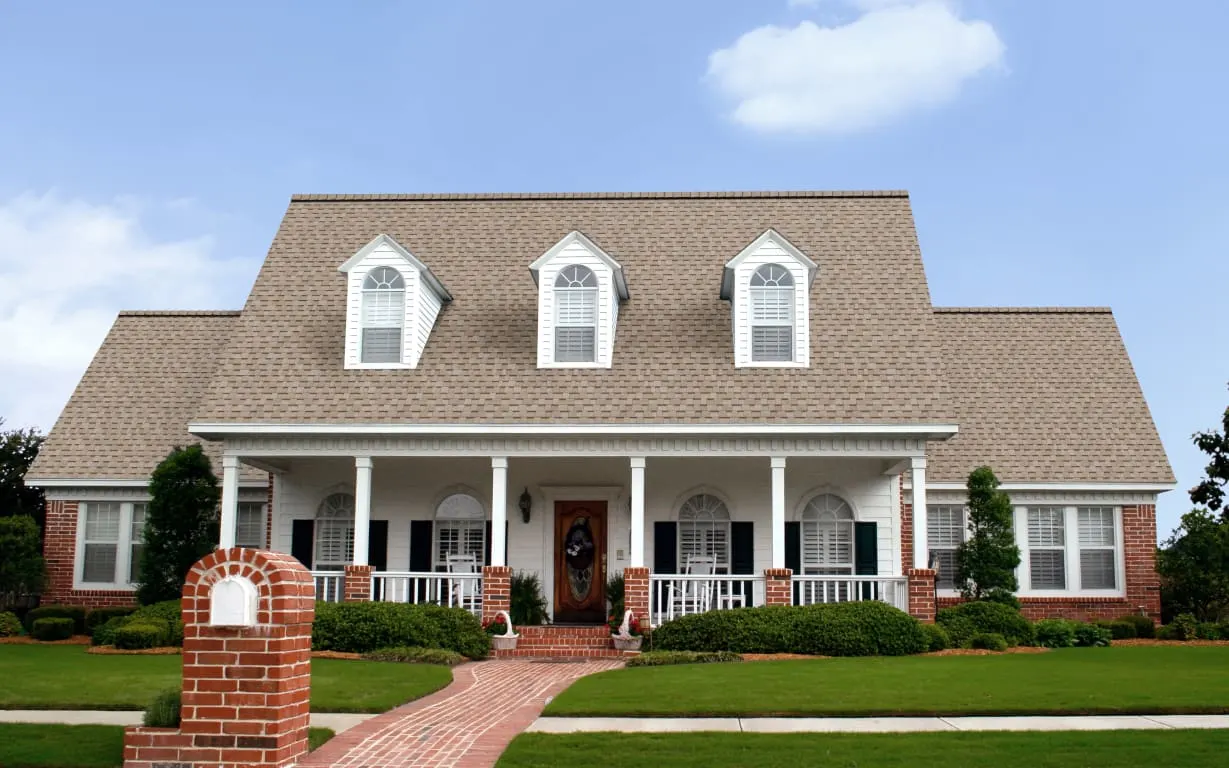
<point x="572" y="642"/>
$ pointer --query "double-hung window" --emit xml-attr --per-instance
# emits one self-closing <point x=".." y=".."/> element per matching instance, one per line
<point x="1098" y="547"/>
<point x="945" y="530"/>
<point x="112" y="535"/>
<point x="1047" y="545"/>
<point x="1070" y="549"/>
<point x="383" y="316"/>
<point x="576" y="293"/>
<point x="772" y="314"/>
<point x="250" y="525"/>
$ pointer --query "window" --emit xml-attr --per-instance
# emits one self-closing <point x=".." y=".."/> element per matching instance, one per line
<point x="250" y="525"/>
<point x="383" y="315"/>
<point x="704" y="531"/>
<point x="772" y="314"/>
<point x="112" y="535"/>
<point x="945" y="529"/>
<point x="335" y="532"/>
<point x="576" y="315"/>
<point x="460" y="529"/>
<point x="1097" y="547"/>
<point x="136" y="537"/>
<point x="827" y="536"/>
<point x="102" y="533"/>
<point x="1047" y="548"/>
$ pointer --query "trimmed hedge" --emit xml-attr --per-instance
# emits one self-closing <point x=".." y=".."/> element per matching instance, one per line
<point x="965" y="620"/>
<point x="668" y="658"/>
<point x="415" y="655"/>
<point x="163" y="711"/>
<point x="869" y="628"/>
<point x="460" y="631"/>
<point x="52" y="628"/>
<point x="10" y="625"/>
<point x="104" y="634"/>
<point x="99" y="616"/>
<point x="366" y="627"/>
<point x="989" y="641"/>
<point x="74" y="612"/>
<point x="1055" y="633"/>
<point x="937" y="638"/>
<point x="1142" y="624"/>
<point x="1091" y="636"/>
<point x="144" y="633"/>
<point x="1119" y="630"/>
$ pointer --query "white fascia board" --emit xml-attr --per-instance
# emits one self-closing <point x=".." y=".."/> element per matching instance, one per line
<point x="769" y="235"/>
<point x="1039" y="486"/>
<point x="928" y="431"/>
<point x="68" y="482"/>
<point x="575" y="236"/>
<point x="382" y="239"/>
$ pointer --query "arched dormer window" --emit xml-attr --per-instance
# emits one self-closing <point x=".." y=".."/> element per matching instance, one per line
<point x="772" y="314"/>
<point x="460" y="530"/>
<point x="334" y="532"/>
<point x="383" y="316"/>
<point x="576" y="315"/>
<point x="704" y="531"/>
<point x="827" y="536"/>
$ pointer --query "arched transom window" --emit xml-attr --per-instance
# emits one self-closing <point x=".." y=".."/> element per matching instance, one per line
<point x="460" y="530"/>
<point x="335" y="532"/>
<point x="772" y="314"/>
<point x="827" y="535"/>
<point x="383" y="315"/>
<point x="576" y="315"/>
<point x="704" y="531"/>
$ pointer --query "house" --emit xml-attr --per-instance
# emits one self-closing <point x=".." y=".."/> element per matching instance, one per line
<point x="731" y="398"/>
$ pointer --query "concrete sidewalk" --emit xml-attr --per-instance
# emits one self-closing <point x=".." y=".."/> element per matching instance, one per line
<point x="337" y="721"/>
<point x="873" y="724"/>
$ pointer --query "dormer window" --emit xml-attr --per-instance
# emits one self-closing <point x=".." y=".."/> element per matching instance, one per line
<point x="383" y="315"/>
<point x="579" y="290"/>
<point x="772" y="314"/>
<point x="768" y="287"/>
<point x="576" y="315"/>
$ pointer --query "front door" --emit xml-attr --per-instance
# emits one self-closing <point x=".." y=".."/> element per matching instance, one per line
<point x="580" y="562"/>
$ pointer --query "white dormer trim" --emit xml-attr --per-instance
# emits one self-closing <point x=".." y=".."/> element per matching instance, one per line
<point x="577" y="249"/>
<point x="424" y="297"/>
<point x="771" y="247"/>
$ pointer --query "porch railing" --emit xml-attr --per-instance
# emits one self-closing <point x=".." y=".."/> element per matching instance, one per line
<point x="330" y="586"/>
<point x="675" y="595"/>
<point x="814" y="589"/>
<point x="457" y="590"/>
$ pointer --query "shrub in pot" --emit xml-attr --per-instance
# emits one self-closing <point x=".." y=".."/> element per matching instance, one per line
<point x="528" y="605"/>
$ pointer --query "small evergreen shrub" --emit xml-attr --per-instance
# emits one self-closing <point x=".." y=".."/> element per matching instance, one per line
<point x="965" y="620"/>
<point x="1091" y="636"/>
<point x="1167" y="632"/>
<point x="459" y="630"/>
<point x="104" y="634"/>
<point x="414" y="655"/>
<point x="1224" y="630"/>
<point x="1144" y="627"/>
<point x="1185" y="626"/>
<point x="10" y="625"/>
<point x="1119" y="630"/>
<point x="1207" y="630"/>
<point x="138" y="635"/>
<point x="666" y="658"/>
<point x="74" y="612"/>
<point x="937" y="638"/>
<point x="989" y="641"/>
<point x="1054" y="633"/>
<point x="163" y="711"/>
<point x="52" y="628"/>
<point x="100" y="616"/>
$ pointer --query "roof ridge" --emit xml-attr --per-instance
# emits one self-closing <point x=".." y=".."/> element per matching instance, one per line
<point x="180" y="312"/>
<point x="762" y="194"/>
<point x="1023" y="310"/>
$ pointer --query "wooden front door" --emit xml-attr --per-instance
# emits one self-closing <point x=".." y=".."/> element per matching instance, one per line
<point x="580" y="562"/>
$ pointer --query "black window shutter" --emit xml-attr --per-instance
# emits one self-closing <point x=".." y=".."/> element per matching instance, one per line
<point x="665" y="547"/>
<point x="420" y="545"/>
<point x="377" y="545"/>
<point x="742" y="547"/>
<point x="866" y="555"/>
<point x="486" y="546"/>
<point x="303" y="541"/>
<point x="793" y="546"/>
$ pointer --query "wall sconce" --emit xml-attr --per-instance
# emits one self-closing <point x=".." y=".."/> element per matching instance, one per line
<point x="526" y="504"/>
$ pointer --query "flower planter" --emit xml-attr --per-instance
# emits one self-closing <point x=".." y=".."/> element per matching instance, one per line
<point x="626" y="643"/>
<point x="503" y="643"/>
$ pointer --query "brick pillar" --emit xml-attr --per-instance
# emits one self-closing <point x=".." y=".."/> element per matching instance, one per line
<point x="60" y="550"/>
<point x="1143" y="586"/>
<point x="246" y="684"/>
<point x="636" y="593"/>
<point x="778" y="586"/>
<point x="496" y="590"/>
<point x="357" y="587"/>
<point x="906" y="529"/>
<point x="922" y="603"/>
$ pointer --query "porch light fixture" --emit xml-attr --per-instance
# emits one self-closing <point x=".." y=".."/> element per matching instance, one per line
<point x="526" y="504"/>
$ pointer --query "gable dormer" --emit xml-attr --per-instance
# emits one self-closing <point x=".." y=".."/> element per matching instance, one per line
<point x="392" y="300"/>
<point x="579" y="290"/>
<point x="768" y="286"/>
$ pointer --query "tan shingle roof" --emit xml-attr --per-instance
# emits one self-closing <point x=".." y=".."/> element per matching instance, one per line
<point x="875" y="349"/>
<point x="1047" y="395"/>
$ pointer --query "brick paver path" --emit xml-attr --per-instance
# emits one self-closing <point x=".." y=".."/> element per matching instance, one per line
<point x="468" y="724"/>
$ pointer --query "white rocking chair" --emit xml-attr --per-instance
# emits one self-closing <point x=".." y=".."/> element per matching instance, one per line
<point x="466" y="592"/>
<point x="687" y="597"/>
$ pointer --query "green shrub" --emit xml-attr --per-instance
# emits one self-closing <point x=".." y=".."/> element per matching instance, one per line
<point x="363" y="627"/>
<point x="989" y="641"/>
<point x="163" y="711"/>
<point x="104" y="634"/>
<point x="138" y="635"/>
<point x="528" y="606"/>
<point x="1185" y="626"/>
<point x="1207" y="630"/>
<point x="52" y="628"/>
<point x="1054" y="633"/>
<point x="458" y="630"/>
<point x="414" y="655"/>
<point x="1167" y="632"/>
<point x="666" y="658"/>
<point x="10" y="625"/>
<point x="1224" y="630"/>
<point x="937" y="638"/>
<point x="74" y="612"/>
<point x="1144" y="627"/>
<point x="965" y="620"/>
<point x="1091" y="636"/>
<point x="1119" y="630"/>
<point x="615" y="589"/>
<point x="100" y="616"/>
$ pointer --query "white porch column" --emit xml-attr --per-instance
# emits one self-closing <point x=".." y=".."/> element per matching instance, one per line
<point x="230" y="501"/>
<point x="499" y="510"/>
<point x="920" y="548"/>
<point x="637" y="559"/>
<point x="778" y="511"/>
<point x="362" y="509"/>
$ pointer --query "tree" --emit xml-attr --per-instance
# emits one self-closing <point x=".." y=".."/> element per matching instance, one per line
<point x="22" y="569"/>
<point x="18" y="447"/>
<point x="1211" y="491"/>
<point x="181" y="524"/>
<point x="987" y="560"/>
<point x="1194" y="567"/>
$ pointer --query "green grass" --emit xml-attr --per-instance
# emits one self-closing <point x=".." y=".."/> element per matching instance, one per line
<point x="23" y="745"/>
<point x="1105" y="749"/>
<point x="1137" y="679"/>
<point x="66" y="677"/>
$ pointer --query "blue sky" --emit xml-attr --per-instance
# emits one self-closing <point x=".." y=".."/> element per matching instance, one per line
<point x="1056" y="152"/>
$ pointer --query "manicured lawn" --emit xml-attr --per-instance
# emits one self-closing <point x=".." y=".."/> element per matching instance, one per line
<point x="1105" y="749"/>
<point x="1137" y="679"/>
<point x="66" y="677"/>
<point x="77" y="746"/>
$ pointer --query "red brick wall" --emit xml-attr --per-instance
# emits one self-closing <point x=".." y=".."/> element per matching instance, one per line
<point x="922" y="602"/>
<point x="778" y="586"/>
<point x="906" y="537"/>
<point x="357" y="585"/>
<point x="636" y="593"/>
<point x="60" y="552"/>
<point x="496" y="590"/>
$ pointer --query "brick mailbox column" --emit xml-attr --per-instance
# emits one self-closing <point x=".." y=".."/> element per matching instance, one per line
<point x="357" y="585"/>
<point x="922" y="603"/>
<point x="636" y="593"/>
<point x="496" y="590"/>
<point x="778" y="586"/>
<point x="246" y="667"/>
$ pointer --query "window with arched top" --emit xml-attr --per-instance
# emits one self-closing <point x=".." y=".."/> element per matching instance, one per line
<point x="704" y="531"/>
<point x="383" y="316"/>
<point x="334" y="532"/>
<point x="460" y="529"/>
<point x="772" y="314"/>
<point x="576" y="293"/>
<point x="827" y="535"/>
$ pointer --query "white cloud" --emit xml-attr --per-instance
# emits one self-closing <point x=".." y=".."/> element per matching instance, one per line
<point x="894" y="58"/>
<point x="66" y="268"/>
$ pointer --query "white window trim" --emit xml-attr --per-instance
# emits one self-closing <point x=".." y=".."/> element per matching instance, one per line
<point x="575" y="248"/>
<point x="964" y="536"/>
<point x="769" y="248"/>
<point x="264" y="521"/>
<point x="123" y="553"/>
<point x="1071" y="554"/>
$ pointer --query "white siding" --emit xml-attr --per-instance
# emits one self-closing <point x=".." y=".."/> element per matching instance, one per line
<point x="770" y="253"/>
<point x="607" y="306"/>
<point x="428" y="309"/>
<point x="422" y="306"/>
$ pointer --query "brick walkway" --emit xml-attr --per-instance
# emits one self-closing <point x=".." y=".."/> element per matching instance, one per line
<point x="468" y="724"/>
